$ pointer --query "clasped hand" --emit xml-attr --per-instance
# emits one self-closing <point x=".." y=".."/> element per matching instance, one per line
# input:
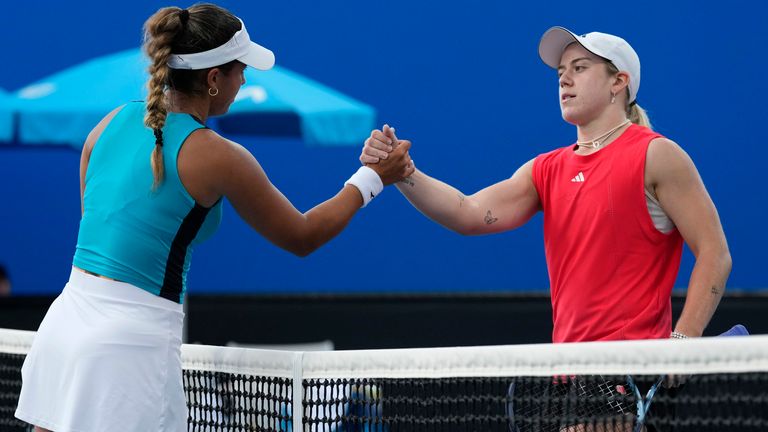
<point x="384" y="149"/>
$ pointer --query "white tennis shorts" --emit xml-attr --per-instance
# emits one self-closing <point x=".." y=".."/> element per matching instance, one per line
<point x="106" y="358"/>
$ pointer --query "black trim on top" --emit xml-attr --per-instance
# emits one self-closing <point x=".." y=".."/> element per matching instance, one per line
<point x="174" y="267"/>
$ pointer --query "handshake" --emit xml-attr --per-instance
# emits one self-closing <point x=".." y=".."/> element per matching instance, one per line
<point x="387" y="155"/>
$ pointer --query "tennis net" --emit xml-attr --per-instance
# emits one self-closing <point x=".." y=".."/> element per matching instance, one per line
<point x="599" y="386"/>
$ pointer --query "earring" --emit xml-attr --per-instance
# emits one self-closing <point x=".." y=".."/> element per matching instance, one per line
<point x="613" y="97"/>
<point x="211" y="92"/>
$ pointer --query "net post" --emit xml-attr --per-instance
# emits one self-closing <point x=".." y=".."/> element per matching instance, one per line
<point x="297" y="399"/>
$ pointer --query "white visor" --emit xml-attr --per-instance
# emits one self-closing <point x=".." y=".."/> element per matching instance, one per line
<point x="238" y="48"/>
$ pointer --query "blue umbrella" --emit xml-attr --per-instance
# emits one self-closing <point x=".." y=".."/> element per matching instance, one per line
<point x="6" y="117"/>
<point x="64" y="107"/>
<point x="280" y="101"/>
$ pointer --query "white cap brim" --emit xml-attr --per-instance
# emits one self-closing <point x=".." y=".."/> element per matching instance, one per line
<point x="258" y="57"/>
<point x="554" y="42"/>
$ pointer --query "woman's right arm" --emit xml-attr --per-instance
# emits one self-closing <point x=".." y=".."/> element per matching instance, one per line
<point x="503" y="206"/>
<point x="500" y="207"/>
<point x="228" y="169"/>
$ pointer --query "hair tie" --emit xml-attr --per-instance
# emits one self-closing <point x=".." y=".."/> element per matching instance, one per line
<point x="159" y="137"/>
<point x="184" y="16"/>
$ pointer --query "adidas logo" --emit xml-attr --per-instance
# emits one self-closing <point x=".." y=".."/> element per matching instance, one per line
<point x="579" y="178"/>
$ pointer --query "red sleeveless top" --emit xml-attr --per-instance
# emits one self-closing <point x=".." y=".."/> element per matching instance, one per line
<point x="611" y="271"/>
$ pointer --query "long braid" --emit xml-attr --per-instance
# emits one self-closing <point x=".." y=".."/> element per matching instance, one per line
<point x="160" y="30"/>
<point x="201" y="27"/>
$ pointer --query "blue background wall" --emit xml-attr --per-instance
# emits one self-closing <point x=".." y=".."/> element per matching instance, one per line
<point x="461" y="80"/>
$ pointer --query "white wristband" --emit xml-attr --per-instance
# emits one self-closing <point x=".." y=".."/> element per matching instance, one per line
<point x="367" y="182"/>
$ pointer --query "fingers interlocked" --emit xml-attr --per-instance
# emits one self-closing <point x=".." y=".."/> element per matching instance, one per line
<point x="379" y="145"/>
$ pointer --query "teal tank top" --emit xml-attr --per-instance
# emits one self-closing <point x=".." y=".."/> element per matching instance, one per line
<point x="129" y="232"/>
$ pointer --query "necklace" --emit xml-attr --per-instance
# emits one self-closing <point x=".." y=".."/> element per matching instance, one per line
<point x="597" y="142"/>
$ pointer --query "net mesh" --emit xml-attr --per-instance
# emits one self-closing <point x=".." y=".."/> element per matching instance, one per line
<point x="569" y="387"/>
<point x="10" y="385"/>
<point x="712" y="402"/>
<point x="225" y="401"/>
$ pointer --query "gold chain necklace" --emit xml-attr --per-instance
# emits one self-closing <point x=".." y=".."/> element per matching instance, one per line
<point x="597" y="142"/>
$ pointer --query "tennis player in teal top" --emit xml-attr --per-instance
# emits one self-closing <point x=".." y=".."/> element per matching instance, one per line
<point x="169" y="220"/>
<point x="107" y="355"/>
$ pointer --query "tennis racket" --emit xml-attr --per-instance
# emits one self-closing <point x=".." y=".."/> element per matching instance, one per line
<point x="592" y="397"/>
<point x="644" y="403"/>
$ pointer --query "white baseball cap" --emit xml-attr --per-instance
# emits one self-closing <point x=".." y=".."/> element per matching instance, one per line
<point x="610" y="47"/>
<point x="239" y="47"/>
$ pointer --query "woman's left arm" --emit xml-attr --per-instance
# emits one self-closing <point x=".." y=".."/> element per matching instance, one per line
<point x="674" y="179"/>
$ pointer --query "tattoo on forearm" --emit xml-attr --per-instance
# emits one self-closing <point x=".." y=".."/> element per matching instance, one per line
<point x="715" y="290"/>
<point x="461" y="200"/>
<point x="489" y="219"/>
<point x="408" y="181"/>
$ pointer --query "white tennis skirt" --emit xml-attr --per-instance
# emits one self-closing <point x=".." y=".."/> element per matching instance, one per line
<point x="107" y="357"/>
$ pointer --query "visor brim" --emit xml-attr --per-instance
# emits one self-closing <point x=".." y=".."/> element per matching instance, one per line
<point x="258" y="57"/>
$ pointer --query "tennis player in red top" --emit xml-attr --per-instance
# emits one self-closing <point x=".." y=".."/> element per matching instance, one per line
<point x="618" y="204"/>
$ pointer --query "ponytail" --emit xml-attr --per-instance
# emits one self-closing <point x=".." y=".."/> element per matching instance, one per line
<point x="638" y="116"/>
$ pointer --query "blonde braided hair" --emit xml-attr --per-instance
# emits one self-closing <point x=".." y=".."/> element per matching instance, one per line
<point x="160" y="30"/>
